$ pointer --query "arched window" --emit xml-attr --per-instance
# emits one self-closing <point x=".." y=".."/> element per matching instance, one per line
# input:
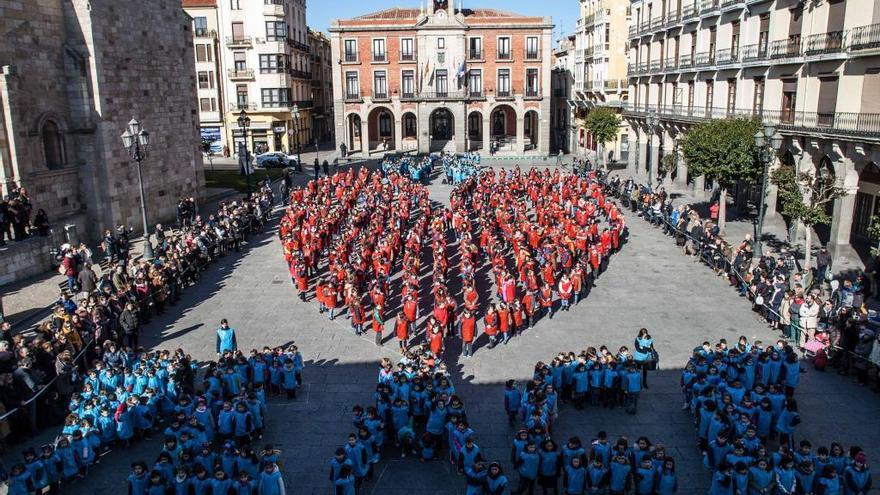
<point x="409" y="125"/>
<point x="53" y="145"/>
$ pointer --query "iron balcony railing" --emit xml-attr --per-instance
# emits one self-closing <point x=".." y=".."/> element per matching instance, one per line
<point x="656" y="65"/>
<point x="379" y="57"/>
<point x="408" y="95"/>
<point x="755" y="52"/>
<point x="241" y="73"/>
<point x="845" y="123"/>
<point x="352" y="96"/>
<point x="407" y="57"/>
<point x="686" y="61"/>
<point x="351" y="57"/>
<point x="530" y="54"/>
<point x="381" y="95"/>
<point x="239" y="41"/>
<point x="236" y="107"/>
<point x="820" y="44"/>
<point x="503" y="56"/>
<point x="709" y="7"/>
<point x="672" y="17"/>
<point x="656" y="23"/>
<point x="301" y="74"/>
<point x="643" y="68"/>
<point x="732" y="3"/>
<point x="689" y="12"/>
<point x="727" y="56"/>
<point x="704" y="59"/>
<point x="299" y="46"/>
<point x="633" y="31"/>
<point x="864" y="37"/>
<point x="504" y="93"/>
<point x="532" y="93"/>
<point x="670" y="64"/>
<point x="789" y="48"/>
<point x="303" y="103"/>
<point x="475" y="54"/>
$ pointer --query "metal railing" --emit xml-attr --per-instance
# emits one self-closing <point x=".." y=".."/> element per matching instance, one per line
<point x="781" y="49"/>
<point x="299" y="46"/>
<point x="672" y="17"/>
<point x="819" y="44"/>
<point x="504" y="93"/>
<point x="407" y="57"/>
<point x="864" y="37"/>
<point x="475" y="54"/>
<point x="670" y="64"/>
<point x="239" y="40"/>
<point x="380" y="96"/>
<point x="754" y="52"/>
<point x="531" y="54"/>
<point x="709" y="7"/>
<point x="727" y="56"/>
<point x="379" y="57"/>
<point x="686" y="61"/>
<point x="350" y="57"/>
<point x="204" y="33"/>
<point x="656" y="65"/>
<point x="532" y="93"/>
<point x="241" y="73"/>
<point x="236" y="107"/>
<point x="300" y="74"/>
<point x="503" y="56"/>
<point x="352" y="96"/>
<point x="704" y="59"/>
<point x="847" y="123"/>
<point x="657" y="23"/>
<point x="689" y="12"/>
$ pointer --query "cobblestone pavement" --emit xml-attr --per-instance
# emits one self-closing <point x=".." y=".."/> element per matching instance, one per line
<point x="648" y="284"/>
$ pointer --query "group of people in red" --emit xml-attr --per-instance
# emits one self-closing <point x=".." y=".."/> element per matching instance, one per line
<point x="544" y="235"/>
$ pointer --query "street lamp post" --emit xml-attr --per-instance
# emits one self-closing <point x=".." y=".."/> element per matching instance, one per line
<point x="652" y="121"/>
<point x="768" y="141"/>
<point x="135" y="139"/>
<point x="243" y="123"/>
<point x="294" y="113"/>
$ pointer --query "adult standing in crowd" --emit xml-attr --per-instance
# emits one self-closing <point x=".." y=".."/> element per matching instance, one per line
<point x="644" y="354"/>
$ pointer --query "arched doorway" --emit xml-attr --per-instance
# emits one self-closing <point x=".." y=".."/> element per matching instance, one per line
<point x="502" y="124"/>
<point x="410" y="132"/>
<point x="475" y="131"/>
<point x="530" y="130"/>
<point x="355" y="143"/>
<point x="380" y="127"/>
<point x="442" y="127"/>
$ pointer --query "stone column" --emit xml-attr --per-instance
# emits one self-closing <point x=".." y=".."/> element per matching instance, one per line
<point x="632" y="163"/>
<point x="642" y="160"/>
<point x="365" y="137"/>
<point x="487" y="133"/>
<point x="681" y="170"/>
<point x="844" y="206"/>
<point x="520" y="135"/>
<point x="398" y="133"/>
<point x="655" y="156"/>
<point x="460" y="124"/>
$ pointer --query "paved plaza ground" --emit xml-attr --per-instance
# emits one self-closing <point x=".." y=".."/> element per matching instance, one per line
<point x="649" y="283"/>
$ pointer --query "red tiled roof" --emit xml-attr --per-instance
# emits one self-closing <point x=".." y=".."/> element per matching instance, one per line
<point x="399" y="13"/>
<point x="199" y="3"/>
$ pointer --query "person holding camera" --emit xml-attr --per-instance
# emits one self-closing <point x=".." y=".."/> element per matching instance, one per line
<point x="644" y="354"/>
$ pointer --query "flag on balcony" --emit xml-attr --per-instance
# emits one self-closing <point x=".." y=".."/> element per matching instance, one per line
<point x="427" y="70"/>
<point x="460" y="73"/>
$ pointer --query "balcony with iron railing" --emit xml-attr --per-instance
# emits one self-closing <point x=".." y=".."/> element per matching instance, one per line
<point x="864" y="38"/>
<point x="504" y="94"/>
<point x="475" y="54"/>
<point x="381" y="96"/>
<point x="686" y="61"/>
<point x="632" y="70"/>
<point x="785" y="49"/>
<point x="407" y="57"/>
<point x="350" y="57"/>
<point x="299" y="46"/>
<point x="352" y="97"/>
<point x="633" y="30"/>
<point x="240" y="74"/>
<point x="727" y="56"/>
<point x="239" y="41"/>
<point x="503" y="56"/>
<point x="689" y="12"/>
<point x="656" y="66"/>
<point x="300" y="74"/>
<point x="753" y="53"/>
<point x="237" y="107"/>
<point x="380" y="57"/>
<point x="841" y="123"/>
<point x="531" y="54"/>
<point x="825" y="43"/>
<point x="645" y="28"/>
<point x="656" y="23"/>
<point x="303" y="103"/>
<point x="704" y="60"/>
<point x="709" y="8"/>
<point x="532" y="94"/>
<point x="672" y="18"/>
<point x="204" y="33"/>
<point x="729" y="5"/>
<point x="670" y="64"/>
<point x="643" y="68"/>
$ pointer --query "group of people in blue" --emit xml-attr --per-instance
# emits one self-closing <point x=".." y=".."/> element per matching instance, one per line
<point x="210" y="415"/>
<point x="416" y="167"/>
<point x="742" y="401"/>
<point x="458" y="168"/>
<point x="416" y="409"/>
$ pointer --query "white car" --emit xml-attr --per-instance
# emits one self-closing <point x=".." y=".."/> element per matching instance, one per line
<point x="274" y="159"/>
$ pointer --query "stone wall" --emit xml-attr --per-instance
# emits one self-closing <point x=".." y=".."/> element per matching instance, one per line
<point x="31" y="257"/>
<point x="143" y="68"/>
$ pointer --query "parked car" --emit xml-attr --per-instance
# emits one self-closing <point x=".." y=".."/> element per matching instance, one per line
<point x="273" y="159"/>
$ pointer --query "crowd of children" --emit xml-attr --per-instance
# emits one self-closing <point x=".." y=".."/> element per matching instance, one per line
<point x="458" y="168"/>
<point x="345" y="237"/>
<point x="417" y="168"/>
<point x="129" y="397"/>
<point x="742" y="400"/>
<point x="416" y="409"/>
<point x="601" y="467"/>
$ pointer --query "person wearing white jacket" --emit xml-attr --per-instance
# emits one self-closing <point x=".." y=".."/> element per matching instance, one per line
<point x="809" y="316"/>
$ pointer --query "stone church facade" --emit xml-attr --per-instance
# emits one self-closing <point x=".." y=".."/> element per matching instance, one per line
<point x="74" y="72"/>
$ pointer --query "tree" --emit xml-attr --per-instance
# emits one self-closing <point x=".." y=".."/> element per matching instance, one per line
<point x="603" y="123"/>
<point x="874" y="234"/>
<point x="805" y="197"/>
<point x="723" y="151"/>
<point x="206" y="149"/>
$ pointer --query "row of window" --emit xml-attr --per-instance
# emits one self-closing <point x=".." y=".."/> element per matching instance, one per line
<point x="407" y="49"/>
<point x="440" y="83"/>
